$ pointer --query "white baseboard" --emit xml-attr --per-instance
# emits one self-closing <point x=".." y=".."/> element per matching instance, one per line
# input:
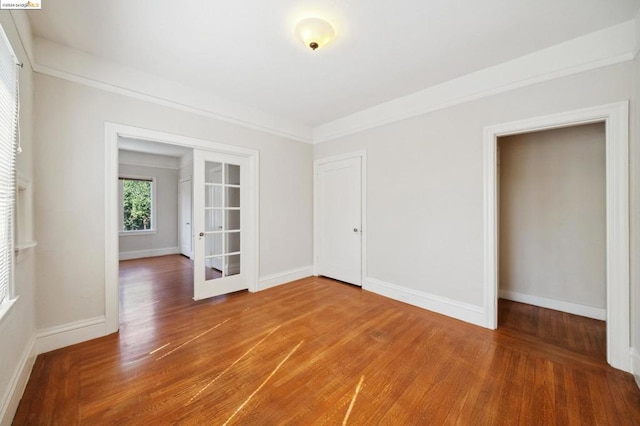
<point x="139" y="254"/>
<point x="69" y="334"/>
<point x="442" y="305"/>
<point x="558" y="305"/>
<point x="18" y="383"/>
<point x="635" y="365"/>
<point x="273" y="280"/>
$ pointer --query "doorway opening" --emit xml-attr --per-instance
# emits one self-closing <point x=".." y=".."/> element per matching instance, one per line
<point x="616" y="120"/>
<point x="552" y="236"/>
<point x="204" y="154"/>
<point x="153" y="178"/>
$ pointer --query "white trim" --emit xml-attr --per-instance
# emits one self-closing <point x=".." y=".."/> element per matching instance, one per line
<point x="19" y="379"/>
<point x="363" y="224"/>
<point x="273" y="280"/>
<point x="113" y="131"/>
<point x="23" y="250"/>
<point x="24" y="218"/>
<point x="112" y="229"/>
<point x="52" y="338"/>
<point x="635" y="365"/>
<point x="636" y="21"/>
<point x="610" y="46"/>
<point x="69" y="64"/>
<point x="557" y="305"/>
<point x="616" y="118"/>
<point x="139" y="254"/>
<point x="25" y="34"/>
<point x="431" y="302"/>
<point x="362" y="154"/>
<point x="599" y="49"/>
<point x="6" y="307"/>
<point x="138" y="233"/>
<point x="254" y="164"/>
<point x="182" y="219"/>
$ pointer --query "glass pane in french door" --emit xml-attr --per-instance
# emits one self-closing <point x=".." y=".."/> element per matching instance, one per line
<point x="232" y="220"/>
<point x="233" y="264"/>
<point x="222" y="220"/>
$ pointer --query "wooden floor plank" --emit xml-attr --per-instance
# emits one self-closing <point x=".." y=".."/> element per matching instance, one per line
<point x="317" y="351"/>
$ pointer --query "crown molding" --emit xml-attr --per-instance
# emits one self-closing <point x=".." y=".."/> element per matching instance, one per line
<point x="60" y="61"/>
<point x="602" y="48"/>
<point x="613" y="45"/>
<point x="23" y="28"/>
<point x="18" y="31"/>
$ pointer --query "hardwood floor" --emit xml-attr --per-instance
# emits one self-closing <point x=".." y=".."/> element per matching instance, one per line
<point x="316" y="351"/>
<point x="582" y="335"/>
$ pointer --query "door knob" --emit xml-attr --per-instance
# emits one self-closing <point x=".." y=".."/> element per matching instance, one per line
<point x="355" y="229"/>
<point x="201" y="234"/>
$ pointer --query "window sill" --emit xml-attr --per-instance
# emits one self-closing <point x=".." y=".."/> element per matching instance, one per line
<point x="132" y="233"/>
<point x="5" y="309"/>
<point x="23" y="249"/>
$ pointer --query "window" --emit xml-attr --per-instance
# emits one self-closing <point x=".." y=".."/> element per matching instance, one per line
<point x="137" y="199"/>
<point x="8" y="133"/>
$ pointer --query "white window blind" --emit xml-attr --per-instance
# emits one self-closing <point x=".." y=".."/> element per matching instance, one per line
<point x="8" y="132"/>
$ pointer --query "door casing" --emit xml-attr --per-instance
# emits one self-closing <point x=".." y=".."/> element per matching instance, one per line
<point x="616" y="119"/>
<point x="183" y="217"/>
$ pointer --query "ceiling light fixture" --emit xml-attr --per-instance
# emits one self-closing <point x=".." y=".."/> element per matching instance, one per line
<point x="315" y="32"/>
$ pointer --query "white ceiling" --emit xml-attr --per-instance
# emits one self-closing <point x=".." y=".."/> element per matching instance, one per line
<point x="246" y="52"/>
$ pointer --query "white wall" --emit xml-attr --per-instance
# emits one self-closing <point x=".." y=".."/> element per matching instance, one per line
<point x="424" y="183"/>
<point x="17" y="329"/>
<point x="634" y="218"/>
<point x="553" y="215"/>
<point x="69" y="161"/>
<point x="165" y="239"/>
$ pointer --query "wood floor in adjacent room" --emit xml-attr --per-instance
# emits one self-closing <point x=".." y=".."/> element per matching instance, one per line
<point x="317" y="351"/>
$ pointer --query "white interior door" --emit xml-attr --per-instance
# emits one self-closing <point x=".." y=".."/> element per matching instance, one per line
<point x="339" y="204"/>
<point x="220" y="198"/>
<point x="186" y="236"/>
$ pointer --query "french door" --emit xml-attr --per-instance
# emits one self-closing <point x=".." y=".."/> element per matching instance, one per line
<point x="220" y="199"/>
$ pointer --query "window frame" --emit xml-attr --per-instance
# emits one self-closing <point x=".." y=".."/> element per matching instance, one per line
<point x="153" y="229"/>
<point x="10" y="296"/>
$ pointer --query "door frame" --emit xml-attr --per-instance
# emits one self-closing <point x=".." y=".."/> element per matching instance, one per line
<point x="113" y="131"/>
<point x="616" y="119"/>
<point x="363" y="202"/>
<point x="180" y="216"/>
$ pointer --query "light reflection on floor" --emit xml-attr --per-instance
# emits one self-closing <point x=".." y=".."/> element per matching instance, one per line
<point x="142" y="304"/>
<point x="143" y="300"/>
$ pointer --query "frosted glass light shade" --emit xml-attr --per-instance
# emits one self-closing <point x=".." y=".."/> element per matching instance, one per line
<point x="315" y="32"/>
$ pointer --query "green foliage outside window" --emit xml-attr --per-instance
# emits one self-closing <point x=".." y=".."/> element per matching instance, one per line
<point x="137" y="204"/>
